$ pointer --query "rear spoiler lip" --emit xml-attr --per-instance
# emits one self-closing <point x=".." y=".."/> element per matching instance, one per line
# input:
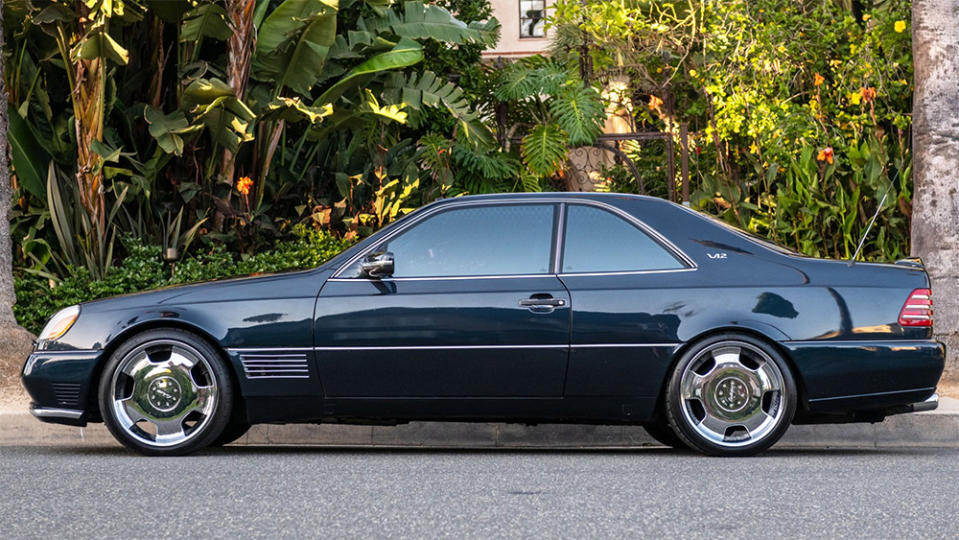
<point x="914" y="262"/>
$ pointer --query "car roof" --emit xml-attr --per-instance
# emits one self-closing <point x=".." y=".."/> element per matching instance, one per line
<point x="572" y="196"/>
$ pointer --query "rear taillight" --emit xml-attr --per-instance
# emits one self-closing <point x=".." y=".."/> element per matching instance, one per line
<point x="917" y="311"/>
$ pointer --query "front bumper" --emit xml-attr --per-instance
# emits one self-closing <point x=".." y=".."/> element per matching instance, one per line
<point x="62" y="385"/>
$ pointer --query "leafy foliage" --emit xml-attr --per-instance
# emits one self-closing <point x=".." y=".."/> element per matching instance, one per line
<point x="142" y="269"/>
<point x="798" y="111"/>
<point x="544" y="149"/>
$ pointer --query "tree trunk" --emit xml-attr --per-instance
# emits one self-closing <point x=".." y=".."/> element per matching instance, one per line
<point x="935" y="223"/>
<point x="15" y="342"/>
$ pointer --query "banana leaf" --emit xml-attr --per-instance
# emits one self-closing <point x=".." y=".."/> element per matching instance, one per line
<point x="29" y="159"/>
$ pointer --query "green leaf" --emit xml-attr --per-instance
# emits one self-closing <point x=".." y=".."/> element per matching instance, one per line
<point x="428" y="21"/>
<point x="29" y="159"/>
<point x="99" y="44"/>
<point x="205" y="20"/>
<point x="168" y="10"/>
<point x="406" y="53"/>
<point x="212" y="103"/>
<point x="168" y="129"/>
<point x="544" y="149"/>
<point x="419" y="90"/>
<point x="294" y="42"/>
<point x="391" y="112"/>
<point x="580" y="112"/>
<point x="293" y="110"/>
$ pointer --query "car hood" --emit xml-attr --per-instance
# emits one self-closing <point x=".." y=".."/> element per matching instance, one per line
<point x="258" y="286"/>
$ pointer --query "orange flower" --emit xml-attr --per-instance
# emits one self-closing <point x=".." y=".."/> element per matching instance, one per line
<point x="244" y="185"/>
<point x="818" y="79"/>
<point x="825" y="155"/>
<point x="655" y="103"/>
<point x="868" y="94"/>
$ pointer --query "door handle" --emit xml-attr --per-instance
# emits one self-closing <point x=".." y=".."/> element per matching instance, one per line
<point x="542" y="302"/>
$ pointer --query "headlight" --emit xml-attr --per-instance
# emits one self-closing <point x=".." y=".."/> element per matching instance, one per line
<point x="59" y="324"/>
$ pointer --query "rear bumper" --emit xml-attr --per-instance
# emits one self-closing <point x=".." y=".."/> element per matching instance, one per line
<point x="61" y="385"/>
<point x="876" y="376"/>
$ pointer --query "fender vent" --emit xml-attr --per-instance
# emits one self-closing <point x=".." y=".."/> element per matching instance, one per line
<point x="66" y="394"/>
<point x="275" y="365"/>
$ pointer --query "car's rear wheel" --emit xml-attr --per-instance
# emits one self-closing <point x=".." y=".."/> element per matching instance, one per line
<point x="731" y="395"/>
<point x="166" y="392"/>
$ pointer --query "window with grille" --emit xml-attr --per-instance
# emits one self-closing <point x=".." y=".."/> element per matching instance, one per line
<point x="532" y="18"/>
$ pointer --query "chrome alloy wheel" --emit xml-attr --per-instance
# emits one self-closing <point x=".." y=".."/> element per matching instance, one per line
<point x="732" y="394"/>
<point x="164" y="393"/>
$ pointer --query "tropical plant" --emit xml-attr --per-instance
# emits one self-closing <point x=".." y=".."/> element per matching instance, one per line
<point x="551" y="109"/>
<point x="181" y="98"/>
<point x="798" y="111"/>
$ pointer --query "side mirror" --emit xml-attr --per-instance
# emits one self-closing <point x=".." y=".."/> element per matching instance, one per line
<point x="378" y="265"/>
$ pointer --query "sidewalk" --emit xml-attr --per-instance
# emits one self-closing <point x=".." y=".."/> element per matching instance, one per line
<point x="932" y="428"/>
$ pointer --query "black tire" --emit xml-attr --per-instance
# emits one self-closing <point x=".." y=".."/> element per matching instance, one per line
<point x="233" y="431"/>
<point x="172" y="378"/>
<point x="665" y="436"/>
<point x="732" y="372"/>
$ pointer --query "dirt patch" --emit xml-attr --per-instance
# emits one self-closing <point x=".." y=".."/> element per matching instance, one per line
<point x="15" y="345"/>
<point x="949" y="389"/>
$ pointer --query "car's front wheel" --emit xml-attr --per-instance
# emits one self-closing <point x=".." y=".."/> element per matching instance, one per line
<point x="731" y="395"/>
<point x="166" y="392"/>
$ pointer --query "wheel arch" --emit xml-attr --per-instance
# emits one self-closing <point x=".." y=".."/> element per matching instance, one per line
<point x="733" y="329"/>
<point x="93" y="402"/>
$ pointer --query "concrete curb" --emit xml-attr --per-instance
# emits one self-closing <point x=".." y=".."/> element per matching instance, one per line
<point x="939" y="428"/>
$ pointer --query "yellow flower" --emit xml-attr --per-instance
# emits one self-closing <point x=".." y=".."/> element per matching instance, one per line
<point x="899" y="26"/>
<point x="866" y="17"/>
<point x="244" y="185"/>
<point x="855" y="98"/>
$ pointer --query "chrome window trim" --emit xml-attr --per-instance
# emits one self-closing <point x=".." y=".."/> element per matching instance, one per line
<point x="559" y="201"/>
<point x="649" y="231"/>
<point x="627" y="272"/>
<point x="446" y="278"/>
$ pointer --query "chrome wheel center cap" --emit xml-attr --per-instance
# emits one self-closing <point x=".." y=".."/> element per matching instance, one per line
<point x="732" y="394"/>
<point x="164" y="393"/>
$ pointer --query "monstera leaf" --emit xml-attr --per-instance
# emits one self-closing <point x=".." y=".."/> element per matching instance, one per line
<point x="579" y="111"/>
<point x="544" y="149"/>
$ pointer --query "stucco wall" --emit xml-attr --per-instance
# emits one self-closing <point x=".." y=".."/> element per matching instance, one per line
<point x="510" y="44"/>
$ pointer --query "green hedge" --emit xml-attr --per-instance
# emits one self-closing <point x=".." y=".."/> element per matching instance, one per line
<point x="142" y="269"/>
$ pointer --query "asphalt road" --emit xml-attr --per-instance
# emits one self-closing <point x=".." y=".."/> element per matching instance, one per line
<point x="312" y="492"/>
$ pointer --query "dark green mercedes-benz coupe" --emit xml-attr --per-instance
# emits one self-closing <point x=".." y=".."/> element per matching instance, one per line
<point x="560" y="308"/>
